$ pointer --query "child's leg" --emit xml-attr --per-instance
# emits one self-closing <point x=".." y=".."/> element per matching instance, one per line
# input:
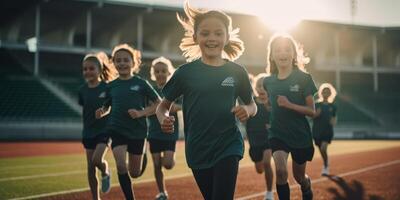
<point x="168" y="159"/>
<point x="102" y="165"/>
<point x="323" y="148"/>
<point x="256" y="155"/>
<point x="98" y="158"/>
<point x="123" y="177"/>
<point x="158" y="173"/>
<point x="135" y="165"/>
<point x="282" y="186"/>
<point x="136" y="148"/>
<point x="204" y="180"/>
<point x="299" y="173"/>
<point x="300" y="158"/>
<point x="225" y="174"/>
<point x="91" y="172"/>
<point x="269" y="175"/>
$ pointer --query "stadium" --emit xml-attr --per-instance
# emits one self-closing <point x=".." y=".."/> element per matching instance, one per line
<point x="43" y="43"/>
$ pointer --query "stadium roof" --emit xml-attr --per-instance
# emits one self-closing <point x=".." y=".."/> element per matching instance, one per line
<point x="377" y="13"/>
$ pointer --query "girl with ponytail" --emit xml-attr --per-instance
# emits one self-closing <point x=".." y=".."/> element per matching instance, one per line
<point x="97" y="69"/>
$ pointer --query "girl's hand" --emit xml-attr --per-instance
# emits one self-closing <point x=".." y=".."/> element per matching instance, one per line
<point x="167" y="125"/>
<point x="283" y="101"/>
<point x="135" y="113"/>
<point x="100" y="113"/>
<point x="241" y="113"/>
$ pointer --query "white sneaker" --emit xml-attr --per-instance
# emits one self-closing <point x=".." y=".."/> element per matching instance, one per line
<point x="162" y="196"/>
<point x="325" y="171"/>
<point x="269" y="195"/>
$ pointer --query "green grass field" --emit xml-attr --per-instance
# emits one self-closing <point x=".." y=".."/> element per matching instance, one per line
<point x="26" y="176"/>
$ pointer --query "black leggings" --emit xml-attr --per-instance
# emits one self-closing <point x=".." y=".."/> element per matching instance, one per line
<point x="219" y="181"/>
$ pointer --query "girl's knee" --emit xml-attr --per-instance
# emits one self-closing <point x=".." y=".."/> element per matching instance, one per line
<point x="134" y="173"/>
<point x="281" y="173"/>
<point x="168" y="164"/>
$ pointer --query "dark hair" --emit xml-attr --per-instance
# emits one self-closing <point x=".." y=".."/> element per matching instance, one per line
<point x="135" y="54"/>
<point x="232" y="50"/>
<point x="299" y="59"/>
<point x="104" y="64"/>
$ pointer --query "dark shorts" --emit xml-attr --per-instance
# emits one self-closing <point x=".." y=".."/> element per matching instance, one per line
<point x="322" y="136"/>
<point x="257" y="152"/>
<point x="91" y="143"/>
<point x="135" y="146"/>
<point x="299" y="155"/>
<point x="158" y="146"/>
<point x="318" y="140"/>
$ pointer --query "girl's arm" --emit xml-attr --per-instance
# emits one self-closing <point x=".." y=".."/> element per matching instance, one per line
<point x="308" y="109"/>
<point x="243" y="112"/>
<point x="147" y="111"/>
<point x="166" y="121"/>
<point x="103" y="111"/>
<point x="175" y="108"/>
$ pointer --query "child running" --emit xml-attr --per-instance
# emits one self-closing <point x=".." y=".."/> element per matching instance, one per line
<point x="162" y="146"/>
<point x="290" y="91"/>
<point x="210" y="85"/>
<point x="97" y="70"/>
<point x="324" y="121"/>
<point x="128" y="96"/>
<point x="257" y="134"/>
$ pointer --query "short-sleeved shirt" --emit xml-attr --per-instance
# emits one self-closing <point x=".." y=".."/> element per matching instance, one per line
<point x="322" y="124"/>
<point x="92" y="99"/>
<point x="287" y="125"/>
<point x="256" y="126"/>
<point x="209" y="94"/>
<point x="155" y="131"/>
<point x="134" y="93"/>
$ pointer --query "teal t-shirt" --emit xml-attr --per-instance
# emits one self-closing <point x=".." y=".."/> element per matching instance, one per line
<point x="124" y="95"/>
<point x="256" y="127"/>
<point x="209" y="94"/>
<point x="288" y="125"/>
<point x="155" y="128"/>
<point x="92" y="99"/>
<point x="321" y="124"/>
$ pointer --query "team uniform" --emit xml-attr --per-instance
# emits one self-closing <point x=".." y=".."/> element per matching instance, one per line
<point x="290" y="130"/>
<point x="123" y="95"/>
<point x="322" y="128"/>
<point x="158" y="140"/>
<point x="93" y="129"/>
<point x="257" y="133"/>
<point x="213" y="142"/>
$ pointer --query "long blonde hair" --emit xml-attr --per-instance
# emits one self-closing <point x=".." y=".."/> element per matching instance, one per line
<point x="300" y="60"/>
<point x="321" y="88"/>
<point x="104" y="64"/>
<point x="191" y="50"/>
<point x="135" y="54"/>
<point x="164" y="61"/>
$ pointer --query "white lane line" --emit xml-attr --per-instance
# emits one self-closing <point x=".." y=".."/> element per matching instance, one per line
<point x="41" y="176"/>
<point x="87" y="188"/>
<point x="358" y="171"/>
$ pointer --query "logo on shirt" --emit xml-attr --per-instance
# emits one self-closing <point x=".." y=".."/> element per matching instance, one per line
<point x="294" y="88"/>
<point x="229" y="82"/>
<point x="135" y="88"/>
<point x="102" y="95"/>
